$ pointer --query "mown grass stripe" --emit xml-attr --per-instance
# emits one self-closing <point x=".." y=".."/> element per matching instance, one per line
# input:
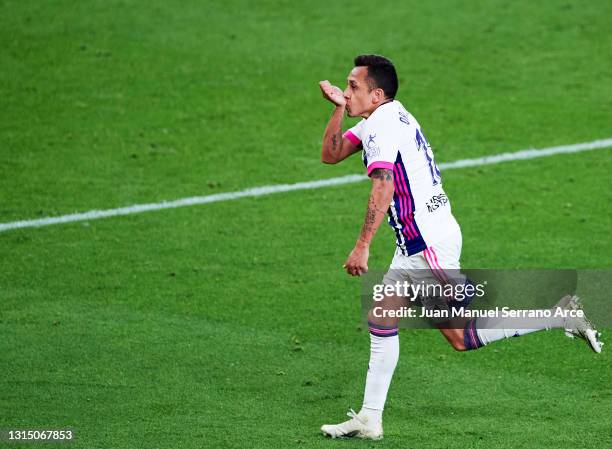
<point x="279" y="188"/>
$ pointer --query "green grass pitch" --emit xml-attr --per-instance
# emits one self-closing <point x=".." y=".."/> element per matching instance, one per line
<point x="232" y="325"/>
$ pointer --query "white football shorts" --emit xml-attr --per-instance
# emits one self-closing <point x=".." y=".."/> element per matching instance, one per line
<point x="436" y="264"/>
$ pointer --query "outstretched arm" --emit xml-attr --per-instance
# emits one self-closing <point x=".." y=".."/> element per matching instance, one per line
<point x="335" y="147"/>
<point x="378" y="204"/>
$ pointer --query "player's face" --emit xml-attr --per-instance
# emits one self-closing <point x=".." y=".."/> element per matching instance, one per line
<point x="360" y="99"/>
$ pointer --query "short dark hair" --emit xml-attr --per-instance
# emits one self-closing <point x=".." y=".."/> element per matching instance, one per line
<point x="381" y="73"/>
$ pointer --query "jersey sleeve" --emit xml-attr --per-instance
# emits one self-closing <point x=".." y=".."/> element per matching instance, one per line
<point x="354" y="134"/>
<point x="381" y="141"/>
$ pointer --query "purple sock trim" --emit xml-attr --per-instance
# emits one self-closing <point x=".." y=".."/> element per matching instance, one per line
<point x="470" y="336"/>
<point x="382" y="331"/>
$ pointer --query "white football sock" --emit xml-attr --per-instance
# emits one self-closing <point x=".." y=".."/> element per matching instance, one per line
<point x="384" y="353"/>
<point x="498" y="328"/>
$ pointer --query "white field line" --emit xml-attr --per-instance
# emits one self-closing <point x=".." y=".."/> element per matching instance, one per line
<point x="278" y="188"/>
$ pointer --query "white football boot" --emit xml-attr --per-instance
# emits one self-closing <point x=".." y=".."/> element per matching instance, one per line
<point x="579" y="327"/>
<point x="358" y="426"/>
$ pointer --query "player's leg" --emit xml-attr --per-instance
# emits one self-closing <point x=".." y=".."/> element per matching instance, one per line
<point x="443" y="261"/>
<point x="476" y="334"/>
<point x="465" y="334"/>
<point x="484" y="331"/>
<point x="384" y="354"/>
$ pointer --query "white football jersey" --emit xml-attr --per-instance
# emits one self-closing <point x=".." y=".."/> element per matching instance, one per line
<point x="420" y="212"/>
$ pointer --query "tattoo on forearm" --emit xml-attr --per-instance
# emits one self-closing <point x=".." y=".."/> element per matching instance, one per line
<point x="382" y="174"/>
<point x="337" y="137"/>
<point x="370" y="219"/>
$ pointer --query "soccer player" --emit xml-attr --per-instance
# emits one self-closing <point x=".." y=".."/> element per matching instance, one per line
<point x="406" y="187"/>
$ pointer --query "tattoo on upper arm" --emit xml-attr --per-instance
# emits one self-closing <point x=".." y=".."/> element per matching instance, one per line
<point x="383" y="174"/>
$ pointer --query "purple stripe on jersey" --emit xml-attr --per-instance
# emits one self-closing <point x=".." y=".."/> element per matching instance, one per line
<point x="408" y="218"/>
<point x="406" y="205"/>
<point x="416" y="244"/>
<point x="403" y="209"/>
<point x="409" y="238"/>
<point x="396" y="227"/>
<point x="407" y="195"/>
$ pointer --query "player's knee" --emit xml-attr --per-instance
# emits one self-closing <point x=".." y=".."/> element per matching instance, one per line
<point x="455" y="338"/>
<point x="381" y="319"/>
<point x="457" y="343"/>
<point x="375" y="318"/>
<point x="458" y="346"/>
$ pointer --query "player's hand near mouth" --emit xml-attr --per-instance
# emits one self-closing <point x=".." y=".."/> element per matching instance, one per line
<point x="332" y="93"/>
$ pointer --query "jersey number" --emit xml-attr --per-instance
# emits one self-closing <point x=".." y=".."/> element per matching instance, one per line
<point x="422" y="145"/>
